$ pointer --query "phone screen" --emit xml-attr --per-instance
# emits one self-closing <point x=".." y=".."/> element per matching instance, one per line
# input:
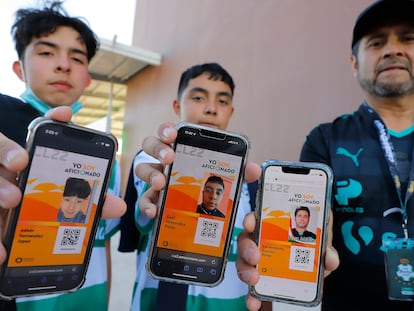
<point x="53" y="229"/>
<point x="293" y="216"/>
<point x="199" y="206"/>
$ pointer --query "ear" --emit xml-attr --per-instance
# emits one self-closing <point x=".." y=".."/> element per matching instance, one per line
<point x="354" y="64"/>
<point x="88" y="81"/>
<point x="18" y="70"/>
<point x="177" y="107"/>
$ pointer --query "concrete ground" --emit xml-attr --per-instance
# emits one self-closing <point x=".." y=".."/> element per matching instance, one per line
<point x="123" y="276"/>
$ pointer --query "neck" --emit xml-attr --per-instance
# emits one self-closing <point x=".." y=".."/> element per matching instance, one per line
<point x="397" y="113"/>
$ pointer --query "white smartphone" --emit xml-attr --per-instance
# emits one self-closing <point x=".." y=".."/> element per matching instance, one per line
<point x="293" y="213"/>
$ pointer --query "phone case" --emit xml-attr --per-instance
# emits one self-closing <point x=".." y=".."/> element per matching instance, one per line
<point x="187" y="177"/>
<point x="41" y="193"/>
<point x="278" y="221"/>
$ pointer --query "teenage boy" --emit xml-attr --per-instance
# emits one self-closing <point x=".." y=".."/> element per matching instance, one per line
<point x="205" y="97"/>
<point x="54" y="51"/>
<point x="212" y="196"/>
<point x="75" y="193"/>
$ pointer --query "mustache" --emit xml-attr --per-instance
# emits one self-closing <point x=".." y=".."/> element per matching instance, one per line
<point x="395" y="61"/>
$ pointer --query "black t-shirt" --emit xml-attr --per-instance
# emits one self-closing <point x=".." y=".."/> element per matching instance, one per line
<point x="15" y="116"/>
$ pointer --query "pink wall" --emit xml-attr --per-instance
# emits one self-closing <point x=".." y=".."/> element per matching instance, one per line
<point x="289" y="60"/>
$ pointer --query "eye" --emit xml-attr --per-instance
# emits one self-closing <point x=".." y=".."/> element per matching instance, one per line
<point x="223" y="102"/>
<point x="80" y="61"/>
<point x="45" y="53"/>
<point x="198" y="98"/>
<point x="409" y="37"/>
<point x="374" y="43"/>
<point x="80" y="58"/>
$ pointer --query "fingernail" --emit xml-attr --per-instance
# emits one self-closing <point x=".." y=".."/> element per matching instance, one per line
<point x="167" y="132"/>
<point x="10" y="155"/>
<point x="162" y="154"/>
<point x="147" y="211"/>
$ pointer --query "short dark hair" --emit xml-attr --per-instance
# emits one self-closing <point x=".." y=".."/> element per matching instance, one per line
<point x="216" y="72"/>
<point x="33" y="23"/>
<point x="215" y="179"/>
<point x="76" y="187"/>
<point x="302" y="208"/>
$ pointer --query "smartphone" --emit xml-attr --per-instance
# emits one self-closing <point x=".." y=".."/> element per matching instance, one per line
<point x="198" y="206"/>
<point x="50" y="234"/>
<point x="294" y="201"/>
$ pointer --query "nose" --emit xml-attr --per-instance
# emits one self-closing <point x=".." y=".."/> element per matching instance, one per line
<point x="393" y="48"/>
<point x="63" y="64"/>
<point x="210" y="107"/>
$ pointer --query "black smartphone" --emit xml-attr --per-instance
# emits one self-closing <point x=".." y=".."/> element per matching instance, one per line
<point x="198" y="206"/>
<point x="50" y="234"/>
<point x="293" y="209"/>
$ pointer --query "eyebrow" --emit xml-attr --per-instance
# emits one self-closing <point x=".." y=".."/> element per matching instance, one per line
<point x="55" y="46"/>
<point x="216" y="189"/>
<point x="202" y="90"/>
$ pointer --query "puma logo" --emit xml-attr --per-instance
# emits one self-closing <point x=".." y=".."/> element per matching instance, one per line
<point x="346" y="153"/>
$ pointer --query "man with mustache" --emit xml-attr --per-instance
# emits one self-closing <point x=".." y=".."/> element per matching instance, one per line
<point x="373" y="202"/>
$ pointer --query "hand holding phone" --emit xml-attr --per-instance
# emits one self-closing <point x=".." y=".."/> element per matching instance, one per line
<point x="49" y="235"/>
<point x="198" y="206"/>
<point x="293" y="213"/>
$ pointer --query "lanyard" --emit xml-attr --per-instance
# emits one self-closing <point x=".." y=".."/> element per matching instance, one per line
<point x="388" y="150"/>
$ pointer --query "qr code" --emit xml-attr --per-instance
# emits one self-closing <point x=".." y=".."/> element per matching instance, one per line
<point x="70" y="237"/>
<point x="208" y="231"/>
<point x="302" y="258"/>
<point x="69" y="240"/>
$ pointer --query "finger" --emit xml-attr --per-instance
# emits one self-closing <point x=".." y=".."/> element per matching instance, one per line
<point x="248" y="249"/>
<point x="249" y="222"/>
<point x="157" y="149"/>
<point x="113" y="207"/>
<point x="167" y="132"/>
<point x="152" y="174"/>
<point x="252" y="303"/>
<point x="246" y="273"/>
<point x="10" y="194"/>
<point x="331" y="256"/>
<point x="62" y="114"/>
<point x="147" y="203"/>
<point x="12" y="156"/>
<point x="2" y="253"/>
<point x="251" y="172"/>
<point x="331" y="260"/>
